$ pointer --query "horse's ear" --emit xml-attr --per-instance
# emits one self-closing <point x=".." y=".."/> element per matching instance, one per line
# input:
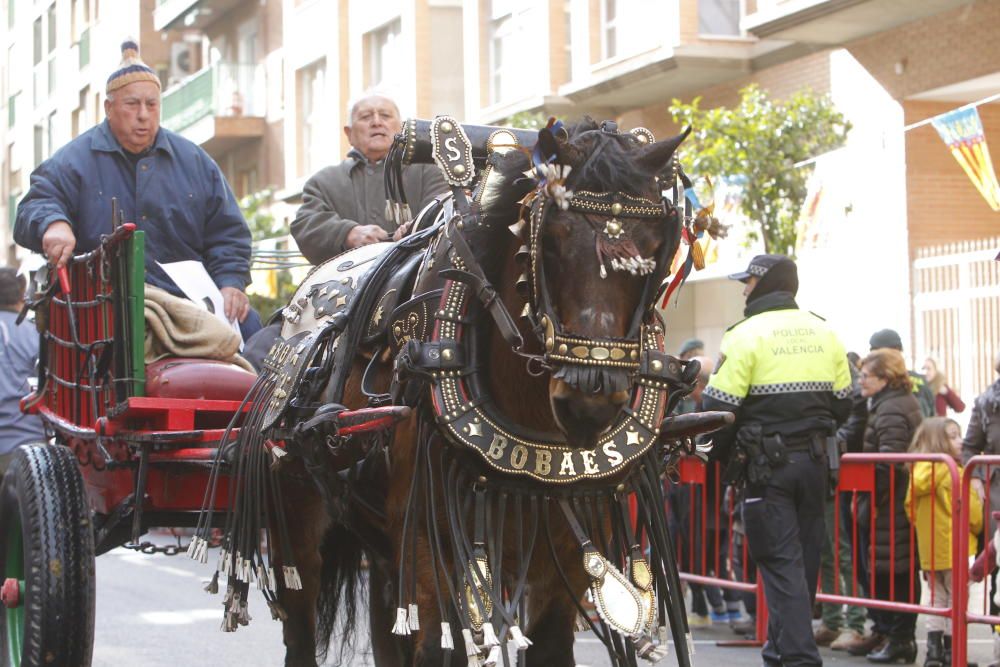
<point x="656" y="157"/>
<point x="554" y="140"/>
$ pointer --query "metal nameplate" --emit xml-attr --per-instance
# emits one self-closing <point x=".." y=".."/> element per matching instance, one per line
<point x="452" y="151"/>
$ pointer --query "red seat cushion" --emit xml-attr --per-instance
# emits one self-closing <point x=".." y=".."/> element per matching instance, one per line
<point x="177" y="377"/>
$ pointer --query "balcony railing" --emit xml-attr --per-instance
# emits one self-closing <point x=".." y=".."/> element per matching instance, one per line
<point x="223" y="89"/>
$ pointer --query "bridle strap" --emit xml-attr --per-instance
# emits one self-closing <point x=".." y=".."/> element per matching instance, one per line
<point x="474" y="277"/>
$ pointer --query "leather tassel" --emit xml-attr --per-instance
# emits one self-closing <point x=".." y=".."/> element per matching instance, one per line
<point x="414" y="618"/>
<point x="401" y="627"/>
<point x="520" y="640"/>
<point x="278" y="612"/>
<point x="447" y="643"/>
<point x="471" y="650"/>
<point x="213" y="585"/>
<point x="292" y="580"/>
<point x="489" y="635"/>
<point x="493" y="658"/>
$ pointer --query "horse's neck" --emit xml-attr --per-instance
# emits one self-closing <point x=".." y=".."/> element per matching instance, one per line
<point x="524" y="399"/>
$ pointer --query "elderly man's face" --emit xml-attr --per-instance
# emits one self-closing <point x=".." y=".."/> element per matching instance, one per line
<point x="374" y="123"/>
<point x="134" y="115"/>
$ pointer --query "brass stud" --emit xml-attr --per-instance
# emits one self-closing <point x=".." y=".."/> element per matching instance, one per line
<point x="447" y="355"/>
<point x="656" y="365"/>
<point x="482" y="480"/>
<point x="563" y="349"/>
<point x="446" y="127"/>
<point x="459" y="169"/>
<point x="549" y="344"/>
<point x="633" y="355"/>
<point x="616" y="208"/>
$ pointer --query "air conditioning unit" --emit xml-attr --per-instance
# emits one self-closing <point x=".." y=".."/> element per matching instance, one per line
<point x="183" y="60"/>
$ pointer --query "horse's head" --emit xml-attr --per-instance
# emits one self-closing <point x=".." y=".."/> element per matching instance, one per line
<point x="599" y="244"/>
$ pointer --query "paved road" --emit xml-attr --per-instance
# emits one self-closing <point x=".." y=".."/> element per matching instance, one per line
<point x="152" y="611"/>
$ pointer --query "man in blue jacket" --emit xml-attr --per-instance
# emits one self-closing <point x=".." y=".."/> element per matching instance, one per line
<point x="167" y="185"/>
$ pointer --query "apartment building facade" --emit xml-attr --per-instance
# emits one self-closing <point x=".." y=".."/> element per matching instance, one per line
<point x="263" y="86"/>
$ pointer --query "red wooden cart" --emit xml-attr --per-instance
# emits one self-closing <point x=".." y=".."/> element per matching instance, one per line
<point x="131" y="447"/>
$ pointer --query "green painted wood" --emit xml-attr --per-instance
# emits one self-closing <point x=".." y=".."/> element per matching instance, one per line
<point x="136" y="257"/>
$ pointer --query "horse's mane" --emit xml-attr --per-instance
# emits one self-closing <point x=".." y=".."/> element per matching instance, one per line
<point x="609" y="163"/>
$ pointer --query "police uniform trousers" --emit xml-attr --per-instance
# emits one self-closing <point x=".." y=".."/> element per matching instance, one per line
<point x="785" y="530"/>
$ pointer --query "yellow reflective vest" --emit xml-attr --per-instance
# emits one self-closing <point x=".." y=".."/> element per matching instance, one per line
<point x="784" y="369"/>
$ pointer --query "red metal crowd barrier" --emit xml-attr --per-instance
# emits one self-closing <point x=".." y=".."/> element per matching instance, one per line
<point x="706" y="524"/>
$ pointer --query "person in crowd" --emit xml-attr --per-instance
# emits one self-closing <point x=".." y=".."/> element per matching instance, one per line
<point x="888" y="338"/>
<point x="690" y="349"/>
<point x="784" y="374"/>
<point x="18" y="359"/>
<point x="983" y="437"/>
<point x="893" y="418"/>
<point x="168" y="186"/>
<point x="853" y="573"/>
<point x="944" y="396"/>
<point x="855" y="360"/>
<point x="343" y="206"/>
<point x="837" y="629"/>
<point x="929" y="508"/>
<point x="708" y="603"/>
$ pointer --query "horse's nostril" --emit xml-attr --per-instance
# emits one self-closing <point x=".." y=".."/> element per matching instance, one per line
<point x="583" y="418"/>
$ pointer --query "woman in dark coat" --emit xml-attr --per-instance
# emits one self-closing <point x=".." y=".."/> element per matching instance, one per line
<point x="893" y="417"/>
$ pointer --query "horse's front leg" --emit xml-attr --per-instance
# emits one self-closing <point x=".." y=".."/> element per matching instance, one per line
<point x="551" y="608"/>
<point x="307" y="521"/>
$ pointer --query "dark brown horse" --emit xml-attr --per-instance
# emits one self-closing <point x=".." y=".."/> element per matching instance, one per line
<point x="489" y="509"/>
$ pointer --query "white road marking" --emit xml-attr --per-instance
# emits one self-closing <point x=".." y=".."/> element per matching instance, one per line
<point x="185" y="617"/>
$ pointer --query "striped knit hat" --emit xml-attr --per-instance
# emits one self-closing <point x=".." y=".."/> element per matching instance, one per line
<point x="132" y="69"/>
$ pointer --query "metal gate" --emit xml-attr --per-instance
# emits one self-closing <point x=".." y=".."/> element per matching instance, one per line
<point x="956" y="312"/>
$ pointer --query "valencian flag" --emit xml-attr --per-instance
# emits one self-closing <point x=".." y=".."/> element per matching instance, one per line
<point x="963" y="132"/>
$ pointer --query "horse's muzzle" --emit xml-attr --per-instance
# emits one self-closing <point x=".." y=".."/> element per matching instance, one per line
<point x="583" y="417"/>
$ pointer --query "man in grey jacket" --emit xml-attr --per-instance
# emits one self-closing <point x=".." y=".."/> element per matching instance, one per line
<point x="343" y="206"/>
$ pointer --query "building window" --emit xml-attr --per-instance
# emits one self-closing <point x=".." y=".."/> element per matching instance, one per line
<point x="609" y="28"/>
<point x="79" y="120"/>
<point x="37" y="48"/>
<point x="51" y="18"/>
<point x="383" y="55"/>
<point x="568" y="40"/>
<point x="312" y="120"/>
<point x="631" y="26"/>
<point x="720" y="17"/>
<point x="50" y="133"/>
<point x="509" y="60"/>
<point x="10" y="13"/>
<point x="39" y="144"/>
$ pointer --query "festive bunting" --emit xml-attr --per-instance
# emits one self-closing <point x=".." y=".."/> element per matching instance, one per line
<point x="962" y="130"/>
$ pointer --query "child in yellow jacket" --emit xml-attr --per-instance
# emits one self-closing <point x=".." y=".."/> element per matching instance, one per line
<point x="929" y="508"/>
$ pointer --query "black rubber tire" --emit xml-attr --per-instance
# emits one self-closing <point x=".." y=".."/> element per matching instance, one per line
<point x="44" y="489"/>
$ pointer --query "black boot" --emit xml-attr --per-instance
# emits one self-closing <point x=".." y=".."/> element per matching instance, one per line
<point x="946" y="658"/>
<point x="895" y="650"/>
<point x="935" y="650"/>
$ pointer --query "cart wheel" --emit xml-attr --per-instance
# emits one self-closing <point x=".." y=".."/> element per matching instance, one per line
<point x="46" y="561"/>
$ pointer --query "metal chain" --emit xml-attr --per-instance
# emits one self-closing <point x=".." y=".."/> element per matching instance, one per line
<point x="150" y="548"/>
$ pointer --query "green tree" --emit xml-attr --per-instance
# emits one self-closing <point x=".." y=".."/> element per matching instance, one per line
<point x="758" y="142"/>
<point x="526" y="120"/>
<point x="262" y="226"/>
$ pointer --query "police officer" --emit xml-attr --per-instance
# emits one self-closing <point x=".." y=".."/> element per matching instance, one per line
<point x="784" y="374"/>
